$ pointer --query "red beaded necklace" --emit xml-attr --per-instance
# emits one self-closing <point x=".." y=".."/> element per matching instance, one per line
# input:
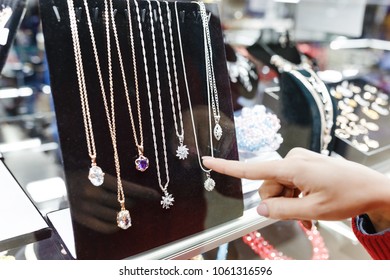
<point x="267" y="252"/>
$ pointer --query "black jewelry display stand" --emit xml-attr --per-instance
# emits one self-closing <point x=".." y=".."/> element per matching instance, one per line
<point x="94" y="209"/>
<point x="293" y="103"/>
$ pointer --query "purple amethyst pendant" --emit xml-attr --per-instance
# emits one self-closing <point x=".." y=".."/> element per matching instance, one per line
<point x="142" y="163"/>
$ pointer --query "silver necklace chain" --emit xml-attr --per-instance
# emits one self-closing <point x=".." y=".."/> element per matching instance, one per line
<point x="210" y="70"/>
<point x="167" y="199"/>
<point x="96" y="175"/>
<point x="182" y="150"/>
<point x="209" y="183"/>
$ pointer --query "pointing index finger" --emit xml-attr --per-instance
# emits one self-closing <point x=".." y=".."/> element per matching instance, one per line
<point x="263" y="170"/>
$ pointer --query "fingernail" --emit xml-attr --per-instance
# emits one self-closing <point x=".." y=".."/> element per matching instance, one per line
<point x="206" y="157"/>
<point x="262" y="210"/>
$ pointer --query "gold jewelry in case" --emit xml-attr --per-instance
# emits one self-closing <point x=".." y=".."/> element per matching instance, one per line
<point x="352" y="117"/>
<point x="345" y="109"/>
<point x="362" y="102"/>
<point x="336" y="94"/>
<point x="381" y="110"/>
<point x="371" y="102"/>
<point x="369" y="125"/>
<point x="373" y="144"/>
<point x="370" y="88"/>
<point x="381" y="101"/>
<point x="360" y="146"/>
<point x="350" y="102"/>
<point x="370" y="113"/>
<point x="355" y="89"/>
<point x="368" y="96"/>
<point x="341" y="133"/>
<point x="342" y="120"/>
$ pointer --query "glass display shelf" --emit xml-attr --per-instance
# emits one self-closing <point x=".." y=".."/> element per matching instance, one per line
<point x="20" y="221"/>
<point x="185" y="248"/>
<point x="196" y="244"/>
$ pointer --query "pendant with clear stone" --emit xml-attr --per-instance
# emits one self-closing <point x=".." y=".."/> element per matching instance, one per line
<point x="209" y="184"/>
<point x="96" y="175"/>
<point x="182" y="151"/>
<point x="167" y="200"/>
<point x="142" y="163"/>
<point x="217" y="131"/>
<point x="123" y="219"/>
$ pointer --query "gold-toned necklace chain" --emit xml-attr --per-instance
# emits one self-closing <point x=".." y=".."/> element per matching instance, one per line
<point x="89" y="135"/>
<point x="120" y="193"/>
<point x="96" y="175"/>
<point x="123" y="217"/>
<point x="139" y="143"/>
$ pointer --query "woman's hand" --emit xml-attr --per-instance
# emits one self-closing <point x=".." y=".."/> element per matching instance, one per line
<point x="309" y="186"/>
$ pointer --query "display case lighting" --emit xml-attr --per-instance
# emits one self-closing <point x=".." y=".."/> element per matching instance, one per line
<point x="288" y="1"/>
<point x="15" y="92"/>
<point x="359" y="44"/>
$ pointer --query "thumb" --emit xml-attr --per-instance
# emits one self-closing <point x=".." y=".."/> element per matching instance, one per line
<point x="285" y="208"/>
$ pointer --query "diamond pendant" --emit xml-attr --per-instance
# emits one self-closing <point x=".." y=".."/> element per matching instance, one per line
<point x="217" y="131"/>
<point x="142" y="163"/>
<point x="209" y="184"/>
<point x="123" y="219"/>
<point x="96" y="175"/>
<point x="182" y="151"/>
<point x="167" y="200"/>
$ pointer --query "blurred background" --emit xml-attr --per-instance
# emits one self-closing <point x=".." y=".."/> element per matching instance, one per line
<point x="345" y="38"/>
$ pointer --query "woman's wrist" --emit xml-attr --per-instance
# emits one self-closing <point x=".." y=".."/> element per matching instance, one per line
<point x="380" y="220"/>
<point x="380" y="214"/>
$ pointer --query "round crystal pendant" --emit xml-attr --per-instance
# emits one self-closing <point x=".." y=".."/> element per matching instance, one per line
<point x="209" y="184"/>
<point x="96" y="175"/>
<point x="123" y="219"/>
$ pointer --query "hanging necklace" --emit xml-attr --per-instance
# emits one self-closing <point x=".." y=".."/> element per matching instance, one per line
<point x="182" y="150"/>
<point x="209" y="183"/>
<point x="167" y="199"/>
<point x="142" y="162"/>
<point x="210" y="70"/>
<point x="96" y="175"/>
<point x="123" y="216"/>
<point x="268" y="252"/>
